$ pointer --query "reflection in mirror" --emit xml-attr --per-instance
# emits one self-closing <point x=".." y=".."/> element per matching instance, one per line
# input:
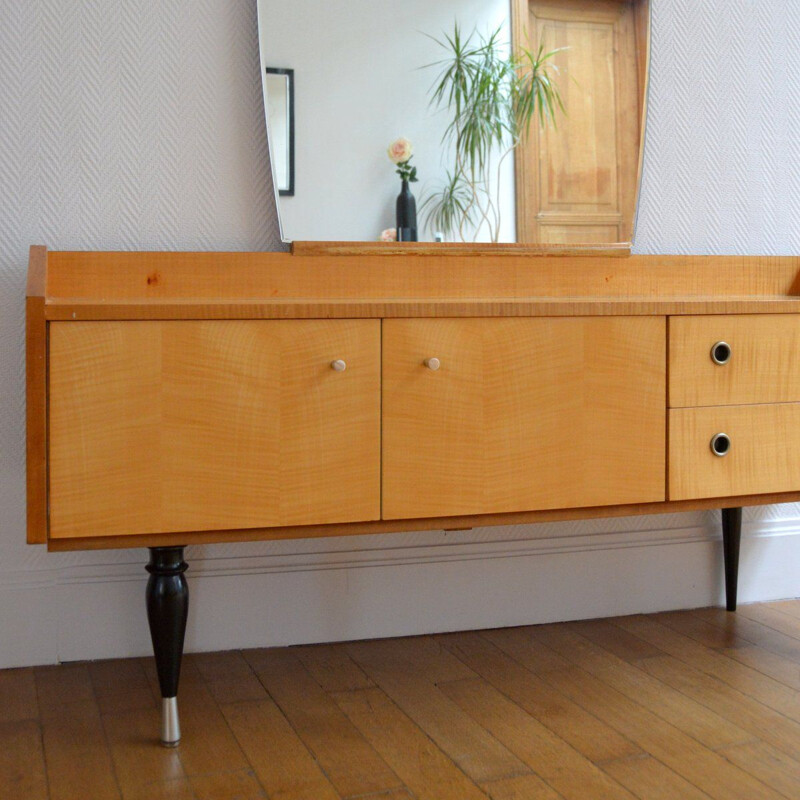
<point x="367" y="76"/>
<point x="279" y="104"/>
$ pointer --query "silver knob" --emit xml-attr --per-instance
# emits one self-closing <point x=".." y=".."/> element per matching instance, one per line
<point x="432" y="363"/>
<point x="720" y="444"/>
<point x="721" y="353"/>
<point x="338" y="365"/>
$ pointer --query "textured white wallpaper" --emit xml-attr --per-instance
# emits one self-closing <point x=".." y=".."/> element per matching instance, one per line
<point x="722" y="158"/>
<point x="138" y="124"/>
<point x="126" y="124"/>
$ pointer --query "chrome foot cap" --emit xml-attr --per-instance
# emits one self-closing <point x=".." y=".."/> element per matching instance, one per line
<point x="170" y="725"/>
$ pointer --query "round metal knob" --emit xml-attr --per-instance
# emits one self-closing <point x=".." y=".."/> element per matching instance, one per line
<point x="338" y="365"/>
<point x="720" y="444"/>
<point x="433" y="363"/>
<point x="721" y="353"/>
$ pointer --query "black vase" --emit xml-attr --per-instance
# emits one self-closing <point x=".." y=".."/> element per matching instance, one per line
<point x="406" y="215"/>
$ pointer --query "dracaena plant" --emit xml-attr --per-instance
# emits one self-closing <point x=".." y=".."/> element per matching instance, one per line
<point x="492" y="94"/>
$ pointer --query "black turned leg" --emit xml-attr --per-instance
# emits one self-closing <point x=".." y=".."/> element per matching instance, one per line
<point x="731" y="537"/>
<point x="167" y="608"/>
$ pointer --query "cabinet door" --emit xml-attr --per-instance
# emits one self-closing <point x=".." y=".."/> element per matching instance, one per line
<point x="208" y="425"/>
<point x="522" y="414"/>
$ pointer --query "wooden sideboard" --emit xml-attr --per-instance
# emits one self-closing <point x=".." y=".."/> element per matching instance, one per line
<point x="179" y="398"/>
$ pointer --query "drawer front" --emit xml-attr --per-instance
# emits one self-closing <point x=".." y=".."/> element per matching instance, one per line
<point x="763" y="455"/>
<point x="522" y="414"/>
<point x="159" y="427"/>
<point x="763" y="364"/>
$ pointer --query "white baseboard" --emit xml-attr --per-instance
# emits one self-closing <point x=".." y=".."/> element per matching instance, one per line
<point x="358" y="588"/>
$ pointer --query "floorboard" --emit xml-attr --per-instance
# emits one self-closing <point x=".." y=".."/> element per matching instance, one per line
<point x="692" y="705"/>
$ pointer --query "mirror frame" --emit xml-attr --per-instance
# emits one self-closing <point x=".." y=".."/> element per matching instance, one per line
<point x="289" y="74"/>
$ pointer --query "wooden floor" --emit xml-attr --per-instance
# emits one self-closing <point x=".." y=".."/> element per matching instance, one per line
<point x="682" y="705"/>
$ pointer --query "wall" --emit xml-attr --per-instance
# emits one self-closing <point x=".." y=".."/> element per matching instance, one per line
<point x="722" y="157"/>
<point x="359" y="85"/>
<point x="139" y="125"/>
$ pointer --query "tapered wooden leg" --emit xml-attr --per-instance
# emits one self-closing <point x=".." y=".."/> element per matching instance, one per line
<point x="167" y="609"/>
<point x="731" y="538"/>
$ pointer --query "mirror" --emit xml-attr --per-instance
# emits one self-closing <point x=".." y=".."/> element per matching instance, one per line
<point x="366" y="72"/>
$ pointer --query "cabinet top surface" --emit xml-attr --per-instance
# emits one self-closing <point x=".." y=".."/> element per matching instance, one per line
<point x="175" y="285"/>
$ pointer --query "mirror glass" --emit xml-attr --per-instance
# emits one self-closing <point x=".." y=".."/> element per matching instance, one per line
<point x="543" y="147"/>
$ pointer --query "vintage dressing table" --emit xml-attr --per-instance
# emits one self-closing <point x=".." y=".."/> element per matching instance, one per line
<point x="182" y="398"/>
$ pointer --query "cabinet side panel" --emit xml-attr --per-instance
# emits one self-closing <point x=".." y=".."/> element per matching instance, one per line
<point x="36" y="419"/>
<point x="36" y="396"/>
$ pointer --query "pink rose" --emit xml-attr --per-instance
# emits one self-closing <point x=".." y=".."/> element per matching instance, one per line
<point x="400" y="150"/>
<point x="389" y="235"/>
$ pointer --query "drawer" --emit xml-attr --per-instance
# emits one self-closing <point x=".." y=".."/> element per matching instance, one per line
<point x="763" y="454"/>
<point x="763" y="364"/>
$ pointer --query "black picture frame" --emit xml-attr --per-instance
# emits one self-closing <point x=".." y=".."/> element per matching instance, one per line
<point x="288" y="191"/>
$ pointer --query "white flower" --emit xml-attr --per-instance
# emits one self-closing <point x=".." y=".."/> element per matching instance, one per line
<point x="389" y="235"/>
<point x="400" y="150"/>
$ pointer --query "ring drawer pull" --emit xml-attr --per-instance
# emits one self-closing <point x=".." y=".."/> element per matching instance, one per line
<point x="338" y="365"/>
<point x="720" y="444"/>
<point x="721" y="353"/>
<point x="432" y="363"/>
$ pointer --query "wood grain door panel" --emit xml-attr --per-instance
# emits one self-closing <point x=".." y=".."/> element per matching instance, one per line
<point x="523" y="414"/>
<point x="208" y="425"/>
<point x="576" y="180"/>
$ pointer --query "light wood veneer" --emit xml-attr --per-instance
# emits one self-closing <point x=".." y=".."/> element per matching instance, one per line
<point x="175" y="413"/>
<point x="36" y="396"/>
<point x="160" y="427"/>
<point x="764" y="454"/>
<point x="205" y="280"/>
<point x="764" y="366"/>
<point x="522" y="414"/>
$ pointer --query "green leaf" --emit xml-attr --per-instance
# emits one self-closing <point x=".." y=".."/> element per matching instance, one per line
<point x="491" y="94"/>
<point x="451" y="204"/>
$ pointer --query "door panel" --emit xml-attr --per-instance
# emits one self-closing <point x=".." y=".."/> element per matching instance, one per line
<point x="207" y="425"/>
<point x="577" y="179"/>
<point x="522" y="414"/>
